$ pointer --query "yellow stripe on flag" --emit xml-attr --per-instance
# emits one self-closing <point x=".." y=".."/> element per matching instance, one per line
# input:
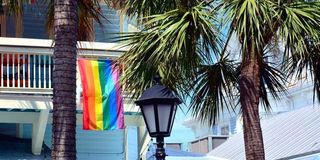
<point x="98" y="97"/>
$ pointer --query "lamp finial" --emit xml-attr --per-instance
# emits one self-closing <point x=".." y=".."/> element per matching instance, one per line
<point x="157" y="79"/>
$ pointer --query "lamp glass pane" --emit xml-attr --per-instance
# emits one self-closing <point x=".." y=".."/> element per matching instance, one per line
<point x="174" y="107"/>
<point x="164" y="116"/>
<point x="149" y="117"/>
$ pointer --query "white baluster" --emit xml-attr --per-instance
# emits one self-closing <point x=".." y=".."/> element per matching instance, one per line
<point x="13" y="70"/>
<point x="50" y="72"/>
<point x="18" y="70"/>
<point x="39" y="69"/>
<point x="44" y="72"/>
<point x="2" y="70"/>
<point x="29" y="77"/>
<point x="8" y="70"/>
<point x="24" y="70"/>
<point x="34" y="71"/>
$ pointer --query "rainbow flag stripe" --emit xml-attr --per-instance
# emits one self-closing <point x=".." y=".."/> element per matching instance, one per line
<point x="102" y="100"/>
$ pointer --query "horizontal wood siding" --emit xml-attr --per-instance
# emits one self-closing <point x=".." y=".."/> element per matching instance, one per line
<point x="35" y="17"/>
<point x="11" y="27"/>
<point x="34" y="21"/>
<point x="111" y="25"/>
<point x="132" y="142"/>
<point x="96" y="145"/>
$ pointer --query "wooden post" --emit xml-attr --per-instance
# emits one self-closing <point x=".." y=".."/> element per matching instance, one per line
<point x="19" y="130"/>
<point x="38" y="131"/>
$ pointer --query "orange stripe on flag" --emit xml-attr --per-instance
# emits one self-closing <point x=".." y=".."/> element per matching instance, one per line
<point x="91" y="97"/>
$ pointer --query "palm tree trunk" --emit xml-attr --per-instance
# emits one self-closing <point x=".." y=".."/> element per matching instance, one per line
<point x="64" y="80"/>
<point x="249" y="98"/>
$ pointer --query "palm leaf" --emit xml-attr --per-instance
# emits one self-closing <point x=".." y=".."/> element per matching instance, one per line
<point x="272" y="83"/>
<point x="213" y="90"/>
<point x="300" y="31"/>
<point x="173" y="45"/>
<point x="249" y="20"/>
<point x="299" y="65"/>
<point x="144" y="8"/>
<point x="88" y="12"/>
<point x="298" y="19"/>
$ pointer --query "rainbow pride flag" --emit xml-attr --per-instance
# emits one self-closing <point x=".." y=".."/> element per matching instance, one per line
<point x="102" y="100"/>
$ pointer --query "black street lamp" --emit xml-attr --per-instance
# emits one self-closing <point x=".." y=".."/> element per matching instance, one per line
<point x="158" y="105"/>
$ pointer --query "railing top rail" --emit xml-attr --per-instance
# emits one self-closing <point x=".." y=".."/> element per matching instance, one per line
<point x="47" y="43"/>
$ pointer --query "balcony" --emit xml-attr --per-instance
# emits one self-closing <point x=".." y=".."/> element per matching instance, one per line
<point x="26" y="86"/>
<point x="26" y="69"/>
<point x="25" y="73"/>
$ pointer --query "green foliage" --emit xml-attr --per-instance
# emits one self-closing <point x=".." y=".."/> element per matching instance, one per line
<point x="213" y="90"/>
<point x="298" y="20"/>
<point x="250" y="20"/>
<point x="182" y="41"/>
<point x="298" y="66"/>
<point x="143" y="8"/>
<point x="272" y="82"/>
<point x="257" y="23"/>
<point x="183" y="46"/>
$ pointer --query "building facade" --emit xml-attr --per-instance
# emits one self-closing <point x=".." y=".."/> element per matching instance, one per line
<point x="26" y="88"/>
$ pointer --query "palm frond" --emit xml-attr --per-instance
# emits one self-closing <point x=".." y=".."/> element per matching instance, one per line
<point x="272" y="82"/>
<point x="298" y="66"/>
<point x="88" y="12"/>
<point x="300" y="31"/>
<point x="298" y="19"/>
<point x="145" y="8"/>
<point x="213" y="90"/>
<point x="250" y="19"/>
<point x="15" y="7"/>
<point x="173" y="45"/>
<point x="115" y="4"/>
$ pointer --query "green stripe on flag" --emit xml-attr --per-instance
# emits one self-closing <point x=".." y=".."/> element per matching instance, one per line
<point x="102" y="77"/>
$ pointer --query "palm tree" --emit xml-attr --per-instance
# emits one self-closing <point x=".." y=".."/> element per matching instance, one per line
<point x="256" y="24"/>
<point x="71" y="23"/>
<point x="64" y="80"/>
<point x="64" y="19"/>
<point x="183" y="45"/>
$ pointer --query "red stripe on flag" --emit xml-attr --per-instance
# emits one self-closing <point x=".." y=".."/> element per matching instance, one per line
<point x="85" y="118"/>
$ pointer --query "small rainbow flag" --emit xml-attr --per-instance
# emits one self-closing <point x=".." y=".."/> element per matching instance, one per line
<point x="102" y="100"/>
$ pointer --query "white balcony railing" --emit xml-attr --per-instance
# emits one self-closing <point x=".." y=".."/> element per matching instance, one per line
<point x="26" y="64"/>
<point x="27" y="71"/>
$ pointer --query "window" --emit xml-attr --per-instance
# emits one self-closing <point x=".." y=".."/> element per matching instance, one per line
<point x="176" y="146"/>
<point x="224" y="130"/>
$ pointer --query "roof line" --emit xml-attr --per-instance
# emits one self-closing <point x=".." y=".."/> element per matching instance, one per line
<point x="301" y="155"/>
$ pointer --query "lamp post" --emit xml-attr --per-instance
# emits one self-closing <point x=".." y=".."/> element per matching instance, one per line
<point x="158" y="105"/>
